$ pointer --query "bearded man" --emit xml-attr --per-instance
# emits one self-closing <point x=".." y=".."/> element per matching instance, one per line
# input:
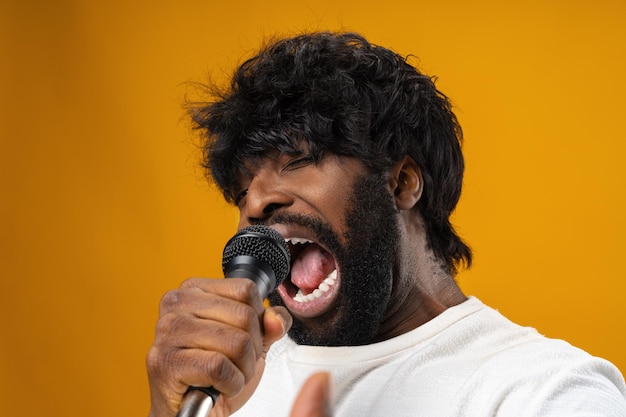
<point x="354" y="157"/>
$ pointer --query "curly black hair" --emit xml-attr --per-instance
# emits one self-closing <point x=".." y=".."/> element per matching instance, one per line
<point x="341" y="95"/>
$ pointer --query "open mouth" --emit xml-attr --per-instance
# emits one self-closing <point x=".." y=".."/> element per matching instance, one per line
<point x="313" y="284"/>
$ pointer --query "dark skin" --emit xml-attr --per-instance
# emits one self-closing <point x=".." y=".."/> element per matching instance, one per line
<point x="314" y="398"/>
<point x="214" y="332"/>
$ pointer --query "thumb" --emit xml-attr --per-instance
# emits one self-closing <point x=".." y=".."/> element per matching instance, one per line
<point x="276" y="322"/>
<point x="314" y="399"/>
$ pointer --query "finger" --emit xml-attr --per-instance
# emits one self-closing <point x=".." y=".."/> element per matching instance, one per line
<point x="241" y="347"/>
<point x="196" y="294"/>
<point x="214" y="311"/>
<point x="276" y="322"/>
<point x="193" y="367"/>
<point x="314" y="398"/>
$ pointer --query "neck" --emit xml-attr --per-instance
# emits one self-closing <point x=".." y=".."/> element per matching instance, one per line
<point x="423" y="288"/>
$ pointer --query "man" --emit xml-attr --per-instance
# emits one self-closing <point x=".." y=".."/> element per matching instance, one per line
<point x="354" y="157"/>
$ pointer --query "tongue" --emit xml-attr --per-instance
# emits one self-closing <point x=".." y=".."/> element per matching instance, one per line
<point x="311" y="267"/>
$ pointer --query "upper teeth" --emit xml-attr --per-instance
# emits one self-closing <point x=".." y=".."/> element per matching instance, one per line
<point x="298" y="240"/>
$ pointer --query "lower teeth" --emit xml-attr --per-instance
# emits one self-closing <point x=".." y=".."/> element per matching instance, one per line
<point x="323" y="287"/>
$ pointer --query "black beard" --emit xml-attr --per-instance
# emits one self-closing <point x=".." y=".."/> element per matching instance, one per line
<point x="366" y="263"/>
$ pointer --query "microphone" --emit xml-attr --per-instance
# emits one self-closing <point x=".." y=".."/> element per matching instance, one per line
<point x="258" y="253"/>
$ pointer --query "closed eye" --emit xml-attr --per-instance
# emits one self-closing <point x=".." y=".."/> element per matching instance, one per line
<point x="240" y="196"/>
<point x="298" y="162"/>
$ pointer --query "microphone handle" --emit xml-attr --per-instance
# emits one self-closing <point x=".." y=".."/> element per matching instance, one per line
<point x="199" y="401"/>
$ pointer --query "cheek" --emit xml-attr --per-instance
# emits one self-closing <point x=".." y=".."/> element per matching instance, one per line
<point x="242" y="222"/>
<point x="333" y="204"/>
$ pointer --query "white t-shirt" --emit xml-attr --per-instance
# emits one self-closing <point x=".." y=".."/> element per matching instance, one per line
<point x="468" y="361"/>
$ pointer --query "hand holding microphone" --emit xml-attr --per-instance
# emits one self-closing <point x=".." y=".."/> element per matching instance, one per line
<point x="211" y="333"/>
<point x="260" y="254"/>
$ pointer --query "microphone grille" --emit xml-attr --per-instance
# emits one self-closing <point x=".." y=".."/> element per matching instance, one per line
<point x="262" y="243"/>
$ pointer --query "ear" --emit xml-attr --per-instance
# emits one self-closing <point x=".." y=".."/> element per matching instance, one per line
<point x="406" y="183"/>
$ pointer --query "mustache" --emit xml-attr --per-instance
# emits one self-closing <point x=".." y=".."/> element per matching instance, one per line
<point x="293" y="219"/>
<point x="323" y="231"/>
<point x="318" y="226"/>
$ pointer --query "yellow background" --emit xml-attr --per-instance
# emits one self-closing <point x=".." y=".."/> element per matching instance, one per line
<point x="104" y="208"/>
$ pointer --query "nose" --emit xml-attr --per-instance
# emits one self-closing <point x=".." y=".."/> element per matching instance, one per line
<point x="266" y="195"/>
